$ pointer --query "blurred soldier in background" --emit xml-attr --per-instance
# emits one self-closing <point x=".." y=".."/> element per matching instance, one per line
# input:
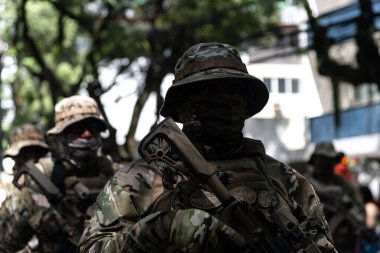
<point x="26" y="144"/>
<point x="341" y="202"/>
<point x="153" y="207"/>
<point x="70" y="183"/>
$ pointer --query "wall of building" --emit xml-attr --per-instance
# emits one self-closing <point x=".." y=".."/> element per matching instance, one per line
<point x="283" y="125"/>
<point x="288" y="103"/>
<point x="322" y="6"/>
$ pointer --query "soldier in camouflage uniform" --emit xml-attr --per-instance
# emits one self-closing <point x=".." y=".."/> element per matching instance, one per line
<point x="77" y="174"/>
<point x="152" y="208"/>
<point x="26" y="144"/>
<point x="341" y="202"/>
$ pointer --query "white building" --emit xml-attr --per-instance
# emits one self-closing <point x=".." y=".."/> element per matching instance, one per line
<point x="298" y="93"/>
<point x="282" y="124"/>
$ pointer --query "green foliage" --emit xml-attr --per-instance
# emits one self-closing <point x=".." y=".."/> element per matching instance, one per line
<point x="67" y="72"/>
<point x="42" y="21"/>
<point x="60" y="44"/>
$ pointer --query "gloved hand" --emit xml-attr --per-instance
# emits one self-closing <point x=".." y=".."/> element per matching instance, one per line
<point x="190" y="230"/>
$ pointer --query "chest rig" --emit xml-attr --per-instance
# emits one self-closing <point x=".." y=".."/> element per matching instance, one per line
<point x="244" y="181"/>
<point x="250" y="202"/>
<point x="78" y="196"/>
<point x="248" y="184"/>
<point x="80" y="191"/>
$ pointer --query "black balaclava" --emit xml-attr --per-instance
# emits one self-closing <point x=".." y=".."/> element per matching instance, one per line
<point x="28" y="153"/>
<point x="213" y="116"/>
<point x="324" y="166"/>
<point x="81" y="150"/>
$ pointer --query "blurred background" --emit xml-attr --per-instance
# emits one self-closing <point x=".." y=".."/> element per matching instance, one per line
<point x="319" y="59"/>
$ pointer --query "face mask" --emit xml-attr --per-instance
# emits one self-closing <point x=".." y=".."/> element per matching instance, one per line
<point x="324" y="166"/>
<point x="29" y="153"/>
<point x="216" y="119"/>
<point x="80" y="148"/>
<point x="81" y="152"/>
<point x="215" y="129"/>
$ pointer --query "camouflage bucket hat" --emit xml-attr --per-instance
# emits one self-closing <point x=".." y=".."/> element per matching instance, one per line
<point x="75" y="109"/>
<point x="27" y="135"/>
<point x="211" y="61"/>
<point x="325" y="149"/>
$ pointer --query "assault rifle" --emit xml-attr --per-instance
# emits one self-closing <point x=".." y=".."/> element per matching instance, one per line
<point x="168" y="144"/>
<point x="46" y="187"/>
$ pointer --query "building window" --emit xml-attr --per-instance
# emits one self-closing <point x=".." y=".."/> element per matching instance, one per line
<point x="281" y="85"/>
<point x="295" y="86"/>
<point x="367" y="93"/>
<point x="268" y="83"/>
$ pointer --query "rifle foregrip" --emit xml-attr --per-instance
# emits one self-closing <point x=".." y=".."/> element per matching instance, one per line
<point x="220" y="191"/>
<point x="311" y="248"/>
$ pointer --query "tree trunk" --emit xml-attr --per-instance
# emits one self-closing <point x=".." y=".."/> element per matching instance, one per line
<point x="130" y="144"/>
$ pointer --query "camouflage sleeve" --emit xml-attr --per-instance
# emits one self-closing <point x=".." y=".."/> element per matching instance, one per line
<point x="190" y="230"/>
<point x="126" y="197"/>
<point x="307" y="207"/>
<point x="15" y="230"/>
<point x="316" y="226"/>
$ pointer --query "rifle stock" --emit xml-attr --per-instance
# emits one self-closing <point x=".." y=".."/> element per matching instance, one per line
<point x="200" y="170"/>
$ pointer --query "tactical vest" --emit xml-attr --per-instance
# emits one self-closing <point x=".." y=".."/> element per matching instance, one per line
<point x="265" y="191"/>
<point x="60" y="228"/>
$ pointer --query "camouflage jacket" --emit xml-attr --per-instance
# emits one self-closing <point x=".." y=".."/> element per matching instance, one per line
<point x="15" y="230"/>
<point x="59" y="225"/>
<point x="137" y="193"/>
